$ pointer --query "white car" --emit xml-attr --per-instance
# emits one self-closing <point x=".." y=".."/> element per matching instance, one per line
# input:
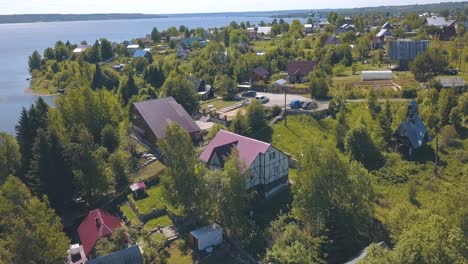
<point x="263" y="99"/>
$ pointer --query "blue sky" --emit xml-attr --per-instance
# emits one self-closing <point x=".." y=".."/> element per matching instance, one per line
<point x="182" y="6"/>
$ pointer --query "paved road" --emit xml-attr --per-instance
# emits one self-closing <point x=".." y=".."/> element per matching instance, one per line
<point x="278" y="99"/>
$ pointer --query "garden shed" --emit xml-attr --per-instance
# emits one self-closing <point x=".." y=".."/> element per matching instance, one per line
<point x="205" y="237"/>
<point x="138" y="190"/>
<point x="376" y="75"/>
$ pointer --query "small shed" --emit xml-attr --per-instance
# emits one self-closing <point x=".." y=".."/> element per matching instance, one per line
<point x="205" y="237"/>
<point x="376" y="75"/>
<point x="138" y="190"/>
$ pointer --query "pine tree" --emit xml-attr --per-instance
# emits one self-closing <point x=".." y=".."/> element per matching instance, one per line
<point x="127" y="90"/>
<point x="155" y="36"/>
<point x="35" y="61"/>
<point x="97" y="78"/>
<point x="39" y="165"/>
<point x="385" y="121"/>
<point x="106" y="50"/>
<point x="342" y="128"/>
<point x="25" y="139"/>
<point x="372" y="103"/>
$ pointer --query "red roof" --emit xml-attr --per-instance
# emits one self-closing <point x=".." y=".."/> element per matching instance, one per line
<point x="97" y="224"/>
<point x="137" y="186"/>
<point x="248" y="148"/>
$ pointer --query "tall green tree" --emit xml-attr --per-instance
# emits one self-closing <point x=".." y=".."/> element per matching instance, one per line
<point x="10" y="156"/>
<point x="154" y="75"/>
<point x="334" y="199"/>
<point x="447" y="101"/>
<point x="372" y="103"/>
<point x="179" y="179"/>
<point x="97" y="78"/>
<point x="34" y="61"/>
<point x="155" y="36"/>
<point x="256" y="120"/>
<point x="342" y="128"/>
<point x="385" y="121"/>
<point x="239" y="124"/>
<point x="182" y="90"/>
<point x="31" y="232"/>
<point x="110" y="138"/>
<point x="127" y="89"/>
<point x="119" y="163"/>
<point x="107" y="51"/>
<point x="428" y="64"/>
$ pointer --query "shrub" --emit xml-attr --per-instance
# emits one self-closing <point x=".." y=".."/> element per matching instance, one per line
<point x="409" y="92"/>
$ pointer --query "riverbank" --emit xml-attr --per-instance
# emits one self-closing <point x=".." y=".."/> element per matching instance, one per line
<point x="42" y="93"/>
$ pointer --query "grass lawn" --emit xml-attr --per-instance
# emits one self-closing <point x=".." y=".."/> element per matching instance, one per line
<point x="218" y="104"/>
<point x="162" y="221"/>
<point x="176" y="256"/>
<point x="148" y="172"/>
<point x="131" y="216"/>
<point x="300" y="132"/>
<point x="153" y="200"/>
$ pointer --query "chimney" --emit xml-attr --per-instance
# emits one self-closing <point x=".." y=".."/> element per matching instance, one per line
<point x="98" y="223"/>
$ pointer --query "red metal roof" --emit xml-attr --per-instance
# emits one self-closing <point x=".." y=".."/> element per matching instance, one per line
<point x="248" y="148"/>
<point x="137" y="186"/>
<point x="97" y="224"/>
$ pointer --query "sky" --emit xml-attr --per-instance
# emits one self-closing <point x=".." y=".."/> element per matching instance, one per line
<point x="182" y="6"/>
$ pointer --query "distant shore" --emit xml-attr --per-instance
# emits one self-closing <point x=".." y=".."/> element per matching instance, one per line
<point x="37" y="18"/>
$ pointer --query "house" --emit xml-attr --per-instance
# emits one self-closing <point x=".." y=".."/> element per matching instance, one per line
<point x="96" y="225"/>
<point x="381" y="37"/>
<point x="387" y="25"/>
<point x="76" y="255"/>
<point x="131" y="255"/>
<point x="344" y="28"/>
<point x="138" y="189"/>
<point x="448" y="28"/>
<point x="147" y="41"/>
<point x="150" y="119"/>
<point x="188" y="42"/>
<point x="405" y="51"/>
<point x="142" y="54"/>
<point x="132" y="48"/>
<point x="206" y="237"/>
<point x="182" y="51"/>
<point x="263" y="32"/>
<point x="251" y="33"/>
<point x="259" y="74"/>
<point x="412" y="133"/>
<point x="80" y="49"/>
<point x="323" y="24"/>
<point x="266" y="167"/>
<point x="203" y="90"/>
<point x="450" y="82"/>
<point x="332" y="40"/>
<point x="308" y="28"/>
<point x="297" y="70"/>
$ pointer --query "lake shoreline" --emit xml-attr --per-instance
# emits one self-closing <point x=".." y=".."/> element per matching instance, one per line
<point x="34" y="93"/>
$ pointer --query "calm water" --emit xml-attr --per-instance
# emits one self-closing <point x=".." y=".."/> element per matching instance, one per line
<point x="20" y="40"/>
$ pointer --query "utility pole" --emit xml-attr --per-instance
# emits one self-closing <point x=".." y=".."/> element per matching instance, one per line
<point x="285" y="107"/>
<point x="436" y="166"/>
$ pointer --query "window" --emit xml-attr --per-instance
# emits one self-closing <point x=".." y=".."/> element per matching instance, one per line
<point x="277" y="171"/>
<point x="272" y="155"/>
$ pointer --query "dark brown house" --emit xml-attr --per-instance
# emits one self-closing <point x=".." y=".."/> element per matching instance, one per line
<point x="297" y="70"/>
<point x="150" y="119"/>
<point x="259" y="74"/>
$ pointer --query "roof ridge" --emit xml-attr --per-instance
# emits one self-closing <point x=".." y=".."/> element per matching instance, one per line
<point x="229" y="132"/>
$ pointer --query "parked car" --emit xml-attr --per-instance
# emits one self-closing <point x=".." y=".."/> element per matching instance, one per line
<point x="451" y="72"/>
<point x="263" y="99"/>
<point x="249" y="94"/>
<point x="296" y="104"/>
<point x="309" y="105"/>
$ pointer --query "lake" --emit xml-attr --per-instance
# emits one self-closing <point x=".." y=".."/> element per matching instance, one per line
<point x="20" y="40"/>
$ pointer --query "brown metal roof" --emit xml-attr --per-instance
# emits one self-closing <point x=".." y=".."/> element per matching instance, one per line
<point x="302" y="67"/>
<point x="159" y="113"/>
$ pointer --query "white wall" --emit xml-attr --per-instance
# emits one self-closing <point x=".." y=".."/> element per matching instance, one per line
<point x="265" y="170"/>
<point x="376" y="75"/>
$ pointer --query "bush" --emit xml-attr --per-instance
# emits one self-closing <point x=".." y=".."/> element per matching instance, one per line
<point x="448" y="136"/>
<point x="409" y="92"/>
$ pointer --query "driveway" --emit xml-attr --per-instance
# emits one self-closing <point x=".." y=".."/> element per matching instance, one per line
<point x="278" y="99"/>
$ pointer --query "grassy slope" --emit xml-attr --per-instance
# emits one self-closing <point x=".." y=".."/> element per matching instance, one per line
<point x="302" y="131"/>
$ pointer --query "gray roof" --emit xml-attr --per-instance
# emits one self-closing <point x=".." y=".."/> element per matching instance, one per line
<point x="437" y="21"/>
<point x="413" y="128"/>
<point x="159" y="113"/>
<point x="451" y="82"/>
<point x="131" y="255"/>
